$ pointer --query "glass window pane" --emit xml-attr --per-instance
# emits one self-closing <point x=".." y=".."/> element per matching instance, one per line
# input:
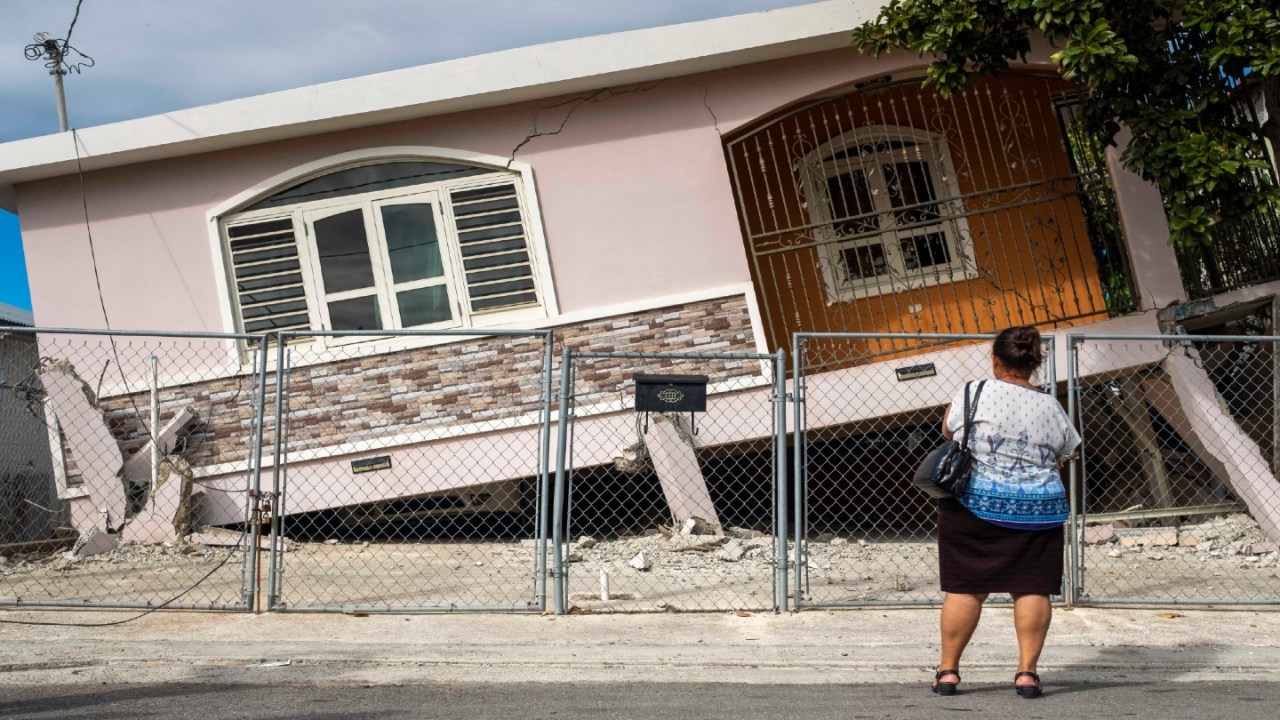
<point x="910" y="185"/>
<point x="355" y="314"/>
<point x="864" y="262"/>
<point x="424" y="306"/>
<point x="851" y="198"/>
<point x="924" y="251"/>
<point x="412" y="242"/>
<point x="368" y="178"/>
<point x="344" y="252"/>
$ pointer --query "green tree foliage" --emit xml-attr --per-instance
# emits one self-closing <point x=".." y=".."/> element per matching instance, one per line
<point x="1172" y="71"/>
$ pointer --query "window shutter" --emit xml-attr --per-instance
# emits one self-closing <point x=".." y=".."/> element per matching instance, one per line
<point x="268" y="276"/>
<point x="495" y="251"/>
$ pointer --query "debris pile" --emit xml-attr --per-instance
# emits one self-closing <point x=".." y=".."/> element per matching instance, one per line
<point x="1235" y="536"/>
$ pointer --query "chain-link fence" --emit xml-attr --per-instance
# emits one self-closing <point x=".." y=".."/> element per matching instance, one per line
<point x="1178" y="493"/>
<point x="411" y="471"/>
<point x="668" y="473"/>
<point x="868" y="409"/>
<point x="126" y="464"/>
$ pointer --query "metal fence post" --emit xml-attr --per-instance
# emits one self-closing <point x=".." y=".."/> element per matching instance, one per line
<point x="799" y="451"/>
<point x="544" y="462"/>
<point x="252" y="589"/>
<point x="781" y="572"/>
<point x="1075" y="523"/>
<point x="558" y="501"/>
<point x="273" y="579"/>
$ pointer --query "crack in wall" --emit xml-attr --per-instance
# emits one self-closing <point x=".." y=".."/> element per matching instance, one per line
<point x="573" y="103"/>
<point x="706" y="103"/>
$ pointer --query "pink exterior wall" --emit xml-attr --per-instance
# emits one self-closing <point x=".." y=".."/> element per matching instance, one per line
<point x="634" y="194"/>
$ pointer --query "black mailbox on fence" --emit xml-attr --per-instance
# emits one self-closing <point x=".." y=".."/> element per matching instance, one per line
<point x="671" y="393"/>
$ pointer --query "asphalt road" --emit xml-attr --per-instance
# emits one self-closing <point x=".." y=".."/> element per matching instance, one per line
<point x="1125" y="697"/>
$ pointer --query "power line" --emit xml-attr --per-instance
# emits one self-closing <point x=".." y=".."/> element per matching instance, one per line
<point x="59" y="56"/>
<point x="73" y="22"/>
<point x="59" y="59"/>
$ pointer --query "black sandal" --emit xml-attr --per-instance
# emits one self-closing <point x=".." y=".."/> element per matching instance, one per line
<point x="1029" y="692"/>
<point x="945" y="688"/>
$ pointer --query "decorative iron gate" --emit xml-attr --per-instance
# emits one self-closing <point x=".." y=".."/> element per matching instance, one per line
<point x="892" y="210"/>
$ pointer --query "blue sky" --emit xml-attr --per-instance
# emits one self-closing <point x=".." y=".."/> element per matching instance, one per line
<point x="13" y="276"/>
<point x="153" y="56"/>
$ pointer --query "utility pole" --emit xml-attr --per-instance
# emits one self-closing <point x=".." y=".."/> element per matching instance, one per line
<point x="59" y="58"/>
<point x="54" y="51"/>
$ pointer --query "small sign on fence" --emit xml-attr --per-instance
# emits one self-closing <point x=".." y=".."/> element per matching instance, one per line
<point x="915" y="372"/>
<point x="382" y="462"/>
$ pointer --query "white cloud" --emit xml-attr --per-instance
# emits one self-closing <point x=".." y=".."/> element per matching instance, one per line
<point x="159" y="55"/>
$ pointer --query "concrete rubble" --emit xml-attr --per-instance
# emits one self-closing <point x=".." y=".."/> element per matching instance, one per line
<point x="1239" y="532"/>
<point x="732" y="551"/>
<point x="1221" y="557"/>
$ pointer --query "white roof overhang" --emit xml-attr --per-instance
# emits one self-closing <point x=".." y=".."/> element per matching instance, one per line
<point x="470" y="83"/>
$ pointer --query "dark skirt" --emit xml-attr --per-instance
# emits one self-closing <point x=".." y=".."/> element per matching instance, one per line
<point x="976" y="557"/>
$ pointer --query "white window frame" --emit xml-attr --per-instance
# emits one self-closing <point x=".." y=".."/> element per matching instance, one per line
<point x="930" y="148"/>
<point x="384" y="285"/>
<point x="518" y="175"/>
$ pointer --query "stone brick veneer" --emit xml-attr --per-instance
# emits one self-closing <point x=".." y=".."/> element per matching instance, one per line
<point x="368" y="397"/>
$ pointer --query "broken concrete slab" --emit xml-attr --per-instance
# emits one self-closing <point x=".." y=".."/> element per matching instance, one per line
<point x="168" y="513"/>
<point x="671" y="448"/>
<point x="697" y="526"/>
<point x="96" y="453"/>
<point x="695" y="543"/>
<point x="1153" y="537"/>
<point x="1130" y="406"/>
<point x="1199" y="415"/>
<point x="640" y="562"/>
<point x="92" y="541"/>
<point x="138" y="466"/>
<point x="1261" y="548"/>
<point x="732" y="551"/>
<point x="1099" y="534"/>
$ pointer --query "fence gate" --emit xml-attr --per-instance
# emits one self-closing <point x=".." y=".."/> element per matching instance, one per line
<point x="410" y="471"/>
<point x="863" y="535"/>
<point x="1179" y="500"/>
<point x="669" y="510"/>
<point x="126" y="463"/>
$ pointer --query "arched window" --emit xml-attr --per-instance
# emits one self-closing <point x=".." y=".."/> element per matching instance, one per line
<point x="385" y="245"/>
<point x="883" y="200"/>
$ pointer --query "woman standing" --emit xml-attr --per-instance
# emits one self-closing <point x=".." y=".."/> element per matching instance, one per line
<point x="1005" y="532"/>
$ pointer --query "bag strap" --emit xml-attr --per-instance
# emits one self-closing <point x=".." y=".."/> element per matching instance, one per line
<point x="970" y="413"/>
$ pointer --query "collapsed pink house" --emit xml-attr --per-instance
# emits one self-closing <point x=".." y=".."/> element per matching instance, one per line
<point x="700" y="186"/>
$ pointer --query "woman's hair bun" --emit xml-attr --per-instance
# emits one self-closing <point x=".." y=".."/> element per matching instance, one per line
<point x="1019" y="348"/>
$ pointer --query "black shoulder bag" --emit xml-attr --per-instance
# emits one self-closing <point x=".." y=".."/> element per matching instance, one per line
<point x="945" y="472"/>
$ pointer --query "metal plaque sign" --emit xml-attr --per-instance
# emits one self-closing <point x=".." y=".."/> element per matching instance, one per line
<point x="915" y="372"/>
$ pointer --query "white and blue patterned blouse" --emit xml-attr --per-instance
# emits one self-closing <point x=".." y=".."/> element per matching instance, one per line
<point x="1018" y="434"/>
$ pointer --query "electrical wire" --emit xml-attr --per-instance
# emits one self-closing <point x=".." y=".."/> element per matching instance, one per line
<point x="232" y="553"/>
<point x="54" y="52"/>
<point x="74" y="18"/>
<point x="137" y="411"/>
